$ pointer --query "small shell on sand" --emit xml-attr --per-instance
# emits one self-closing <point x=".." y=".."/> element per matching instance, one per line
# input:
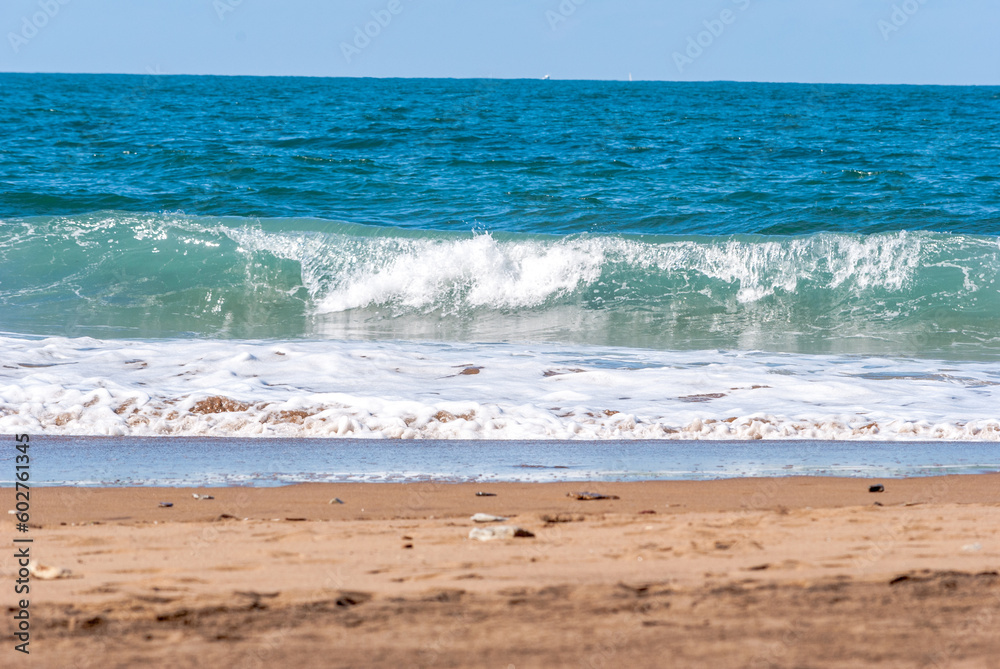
<point x="487" y="518"/>
<point x="46" y="573"/>
<point x="498" y="532"/>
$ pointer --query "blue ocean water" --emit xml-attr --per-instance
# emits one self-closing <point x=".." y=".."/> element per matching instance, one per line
<point x="781" y="217"/>
<point x="469" y="259"/>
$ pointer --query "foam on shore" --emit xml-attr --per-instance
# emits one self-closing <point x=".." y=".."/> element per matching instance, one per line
<point x="403" y="390"/>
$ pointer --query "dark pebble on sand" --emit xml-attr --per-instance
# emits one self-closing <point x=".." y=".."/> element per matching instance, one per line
<point x="877" y="488"/>
<point x="486" y="494"/>
<point x="166" y="504"/>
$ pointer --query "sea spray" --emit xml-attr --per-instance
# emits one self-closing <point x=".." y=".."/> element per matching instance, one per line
<point x="117" y="274"/>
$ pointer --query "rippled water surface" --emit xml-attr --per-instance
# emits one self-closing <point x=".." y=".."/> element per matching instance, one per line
<point x="744" y="230"/>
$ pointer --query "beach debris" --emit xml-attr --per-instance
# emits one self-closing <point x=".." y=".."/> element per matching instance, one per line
<point x="227" y="516"/>
<point x="336" y="500"/>
<point x="47" y="573"/>
<point x="470" y="370"/>
<point x="877" y="504"/>
<point x="876" y="488"/>
<point x="166" y="505"/>
<point x="352" y="598"/>
<point x="485" y="494"/>
<point x="552" y="519"/>
<point x="197" y="496"/>
<point x="972" y="548"/>
<point x="407" y="545"/>
<point x="590" y="495"/>
<point x="487" y="518"/>
<point x="498" y="532"/>
<point x="296" y="520"/>
<point x="647" y="511"/>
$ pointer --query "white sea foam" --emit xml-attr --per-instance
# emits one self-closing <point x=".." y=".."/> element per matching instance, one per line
<point x="477" y="270"/>
<point x="453" y="273"/>
<point x="412" y="390"/>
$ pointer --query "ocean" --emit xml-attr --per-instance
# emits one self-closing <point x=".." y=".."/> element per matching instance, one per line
<point x="498" y="259"/>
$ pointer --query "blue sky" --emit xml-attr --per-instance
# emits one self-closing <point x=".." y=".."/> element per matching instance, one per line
<point x="822" y="41"/>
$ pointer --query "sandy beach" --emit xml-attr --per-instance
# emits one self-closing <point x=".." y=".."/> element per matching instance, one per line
<point x="786" y="572"/>
<point x="346" y="335"/>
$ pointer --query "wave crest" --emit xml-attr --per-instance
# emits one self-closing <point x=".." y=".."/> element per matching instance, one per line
<point x="117" y="274"/>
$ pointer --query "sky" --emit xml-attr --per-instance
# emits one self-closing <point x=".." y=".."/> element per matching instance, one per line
<point x="815" y="41"/>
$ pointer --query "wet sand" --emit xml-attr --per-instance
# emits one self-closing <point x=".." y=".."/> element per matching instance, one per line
<point x="785" y="572"/>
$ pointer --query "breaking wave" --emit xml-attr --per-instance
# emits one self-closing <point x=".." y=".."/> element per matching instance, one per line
<point x="122" y="275"/>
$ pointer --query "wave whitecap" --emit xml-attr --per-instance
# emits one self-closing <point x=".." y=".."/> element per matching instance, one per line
<point x="117" y="274"/>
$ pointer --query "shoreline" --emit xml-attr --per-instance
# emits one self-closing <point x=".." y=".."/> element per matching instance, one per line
<point x="257" y="462"/>
<point x="762" y="572"/>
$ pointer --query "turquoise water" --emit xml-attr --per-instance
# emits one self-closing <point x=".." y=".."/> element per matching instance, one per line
<point x="479" y="259"/>
<point x="112" y="274"/>
<point x="517" y="156"/>
<point x="782" y="217"/>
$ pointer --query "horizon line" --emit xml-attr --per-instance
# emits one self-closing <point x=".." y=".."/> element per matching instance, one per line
<point x="539" y="79"/>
